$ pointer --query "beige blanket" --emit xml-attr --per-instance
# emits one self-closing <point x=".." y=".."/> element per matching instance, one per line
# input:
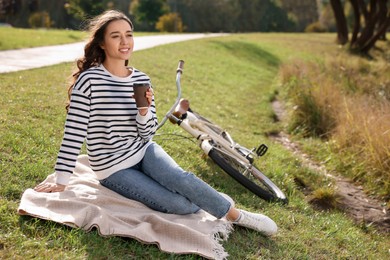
<point x="87" y="204"/>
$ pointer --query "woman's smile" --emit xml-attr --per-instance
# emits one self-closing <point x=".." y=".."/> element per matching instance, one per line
<point x="118" y="41"/>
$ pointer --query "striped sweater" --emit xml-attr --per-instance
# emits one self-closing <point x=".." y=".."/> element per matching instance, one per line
<point x="103" y="113"/>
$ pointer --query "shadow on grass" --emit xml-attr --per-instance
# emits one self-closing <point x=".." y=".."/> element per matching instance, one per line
<point x="52" y="238"/>
<point x="251" y="52"/>
<point x="77" y="243"/>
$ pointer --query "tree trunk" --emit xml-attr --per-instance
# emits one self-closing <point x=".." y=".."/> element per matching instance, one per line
<point x="341" y="21"/>
<point x="363" y="8"/>
<point x="369" y="29"/>
<point x="376" y="26"/>
<point x="356" y="27"/>
<point x="383" y="13"/>
<point x="382" y="30"/>
<point x="372" y="20"/>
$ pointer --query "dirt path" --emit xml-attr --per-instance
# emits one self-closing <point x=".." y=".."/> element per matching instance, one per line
<point x="351" y="198"/>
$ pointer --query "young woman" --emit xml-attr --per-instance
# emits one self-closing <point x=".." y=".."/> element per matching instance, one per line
<point x="121" y="152"/>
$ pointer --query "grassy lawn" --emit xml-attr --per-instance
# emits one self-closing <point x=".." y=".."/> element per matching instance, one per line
<point x="17" y="38"/>
<point x="231" y="80"/>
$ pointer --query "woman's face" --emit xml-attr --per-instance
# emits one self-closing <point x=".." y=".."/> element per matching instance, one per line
<point x="118" y="41"/>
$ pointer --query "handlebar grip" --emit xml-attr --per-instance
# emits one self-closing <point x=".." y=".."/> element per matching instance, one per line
<point x="180" y="66"/>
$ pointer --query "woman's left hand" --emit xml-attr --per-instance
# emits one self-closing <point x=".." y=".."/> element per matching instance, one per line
<point x="49" y="187"/>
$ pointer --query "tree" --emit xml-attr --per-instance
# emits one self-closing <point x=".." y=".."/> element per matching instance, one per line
<point x="232" y="15"/>
<point x="304" y="12"/>
<point x="82" y="9"/>
<point x="371" y="21"/>
<point x="208" y="16"/>
<point x="147" y="12"/>
<point x="62" y="13"/>
<point x="9" y="7"/>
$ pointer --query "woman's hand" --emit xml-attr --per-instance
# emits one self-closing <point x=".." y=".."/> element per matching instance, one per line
<point x="49" y="187"/>
<point x="149" y="97"/>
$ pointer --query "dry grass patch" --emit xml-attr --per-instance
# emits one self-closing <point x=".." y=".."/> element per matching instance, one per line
<point x="345" y="99"/>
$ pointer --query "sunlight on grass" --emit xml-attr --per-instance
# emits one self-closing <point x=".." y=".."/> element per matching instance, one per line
<point x="16" y="38"/>
<point x="345" y="100"/>
<point x="233" y="89"/>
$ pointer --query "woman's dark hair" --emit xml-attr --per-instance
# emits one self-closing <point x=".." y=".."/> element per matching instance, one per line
<point x="93" y="54"/>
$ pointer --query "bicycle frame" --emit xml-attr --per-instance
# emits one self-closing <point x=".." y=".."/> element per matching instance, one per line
<point x="198" y="129"/>
<point x="206" y="135"/>
<point x="214" y="142"/>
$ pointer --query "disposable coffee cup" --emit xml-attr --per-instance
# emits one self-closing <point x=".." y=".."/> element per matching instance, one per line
<point x="140" y="95"/>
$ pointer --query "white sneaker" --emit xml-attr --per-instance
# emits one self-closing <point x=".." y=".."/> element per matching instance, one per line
<point x="257" y="222"/>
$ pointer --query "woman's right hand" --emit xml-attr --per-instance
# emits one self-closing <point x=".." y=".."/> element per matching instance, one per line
<point x="49" y="187"/>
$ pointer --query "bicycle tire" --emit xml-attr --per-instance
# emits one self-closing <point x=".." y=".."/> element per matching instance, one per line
<point x="256" y="181"/>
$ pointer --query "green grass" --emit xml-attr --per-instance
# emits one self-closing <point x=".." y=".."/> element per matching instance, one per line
<point x="230" y="80"/>
<point x="17" y="38"/>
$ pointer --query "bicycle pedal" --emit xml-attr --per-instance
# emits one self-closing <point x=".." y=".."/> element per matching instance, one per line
<point x="261" y="150"/>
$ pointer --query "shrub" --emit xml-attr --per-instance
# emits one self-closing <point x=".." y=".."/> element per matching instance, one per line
<point x="40" y="20"/>
<point x="315" y="27"/>
<point x="313" y="100"/>
<point x="170" y="22"/>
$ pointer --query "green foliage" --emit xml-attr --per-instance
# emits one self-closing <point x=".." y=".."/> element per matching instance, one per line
<point x="83" y="9"/>
<point x="197" y="15"/>
<point x="147" y="13"/>
<point x="21" y="12"/>
<point x="233" y="16"/>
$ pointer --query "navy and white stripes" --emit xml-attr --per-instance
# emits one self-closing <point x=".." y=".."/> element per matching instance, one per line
<point x="103" y="112"/>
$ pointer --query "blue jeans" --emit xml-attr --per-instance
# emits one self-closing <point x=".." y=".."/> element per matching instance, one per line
<point x="159" y="183"/>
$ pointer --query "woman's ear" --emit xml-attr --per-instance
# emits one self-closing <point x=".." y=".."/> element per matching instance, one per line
<point x="101" y="45"/>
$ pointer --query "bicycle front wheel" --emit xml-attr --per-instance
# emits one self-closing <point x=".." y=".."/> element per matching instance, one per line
<point x="248" y="176"/>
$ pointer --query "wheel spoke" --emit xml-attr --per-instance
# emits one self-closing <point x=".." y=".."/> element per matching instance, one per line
<point x="238" y="165"/>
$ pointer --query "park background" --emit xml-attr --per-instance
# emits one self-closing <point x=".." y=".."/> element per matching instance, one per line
<point x="325" y="62"/>
<point x="190" y="16"/>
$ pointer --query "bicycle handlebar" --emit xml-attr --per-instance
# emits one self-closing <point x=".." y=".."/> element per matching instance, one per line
<point x="179" y="71"/>
<point x="180" y="66"/>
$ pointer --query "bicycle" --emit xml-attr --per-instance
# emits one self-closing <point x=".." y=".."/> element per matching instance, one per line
<point x="234" y="159"/>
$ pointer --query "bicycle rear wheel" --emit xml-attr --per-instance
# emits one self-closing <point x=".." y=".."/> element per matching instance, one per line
<point x="248" y="176"/>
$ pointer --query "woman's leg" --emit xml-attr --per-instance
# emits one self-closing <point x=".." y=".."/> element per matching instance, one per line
<point x="164" y="193"/>
<point x="161" y="167"/>
<point x="134" y="184"/>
